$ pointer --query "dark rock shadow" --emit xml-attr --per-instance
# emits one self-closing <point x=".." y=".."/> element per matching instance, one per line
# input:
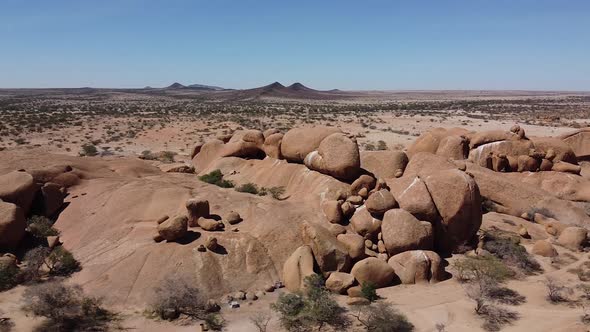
<point x="215" y="217"/>
<point x="220" y="250"/>
<point x="189" y="237"/>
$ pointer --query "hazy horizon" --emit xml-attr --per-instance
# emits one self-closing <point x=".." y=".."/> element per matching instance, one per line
<point x="379" y="45"/>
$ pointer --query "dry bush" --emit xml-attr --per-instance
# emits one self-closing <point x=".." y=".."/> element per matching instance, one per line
<point x="176" y="296"/>
<point x="556" y="291"/>
<point x="261" y="320"/>
<point x="509" y="250"/>
<point x="66" y="308"/>
<point x="382" y="317"/>
<point x="314" y="309"/>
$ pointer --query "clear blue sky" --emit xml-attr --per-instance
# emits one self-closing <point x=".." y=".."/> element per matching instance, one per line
<point x="325" y="44"/>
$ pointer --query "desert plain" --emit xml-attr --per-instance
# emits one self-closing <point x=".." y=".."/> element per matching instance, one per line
<point x="426" y="196"/>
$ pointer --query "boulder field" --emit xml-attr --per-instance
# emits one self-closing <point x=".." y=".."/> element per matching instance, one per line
<point x="384" y="217"/>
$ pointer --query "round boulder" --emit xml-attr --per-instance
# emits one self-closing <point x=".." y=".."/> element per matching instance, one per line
<point x="458" y="201"/>
<point x="375" y="271"/>
<point x="299" y="142"/>
<point x="18" y="188"/>
<point x="339" y="282"/>
<point x="573" y="237"/>
<point x="196" y="208"/>
<point x="544" y="248"/>
<point x="380" y="202"/>
<point x="355" y="244"/>
<point x="401" y="231"/>
<point x="337" y="156"/>
<point x="363" y="223"/>
<point x="173" y="229"/>
<point x="418" y="266"/>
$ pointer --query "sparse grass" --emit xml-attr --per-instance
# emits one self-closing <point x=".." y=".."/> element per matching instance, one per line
<point x="249" y="188"/>
<point x="216" y="177"/>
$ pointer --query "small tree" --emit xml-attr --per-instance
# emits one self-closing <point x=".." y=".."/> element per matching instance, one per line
<point x="66" y="308"/>
<point x="61" y="262"/>
<point x="369" y="291"/>
<point x="176" y="297"/>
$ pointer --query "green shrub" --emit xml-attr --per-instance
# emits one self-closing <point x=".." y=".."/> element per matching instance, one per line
<point x="61" y="262"/>
<point x="8" y="276"/>
<point x="482" y="268"/>
<point x="369" y="291"/>
<point x="512" y="253"/>
<point x="277" y="192"/>
<point x="313" y="309"/>
<point x="249" y="188"/>
<point x="382" y="317"/>
<point x="41" y="227"/>
<point x="88" y="150"/>
<point x="216" y="177"/>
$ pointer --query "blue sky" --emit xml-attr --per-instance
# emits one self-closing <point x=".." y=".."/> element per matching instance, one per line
<point x="412" y="44"/>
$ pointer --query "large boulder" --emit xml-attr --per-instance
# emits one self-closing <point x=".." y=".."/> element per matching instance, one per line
<point x="363" y="223"/>
<point x="418" y="266"/>
<point x="354" y="243"/>
<point x="245" y="144"/>
<point x="299" y="142"/>
<point x="401" y="231"/>
<point x="18" y="188"/>
<point x="384" y="164"/>
<point x="431" y="140"/>
<point x="375" y="271"/>
<point x="573" y="238"/>
<point x="555" y="148"/>
<point x="12" y="225"/>
<point x="380" y="202"/>
<point x="337" y="156"/>
<point x="412" y="195"/>
<point x="329" y="253"/>
<point x="426" y="163"/>
<point x="453" y="147"/>
<point x="458" y="202"/>
<point x="543" y="248"/>
<point x="579" y="141"/>
<point x="196" y="208"/>
<point x="339" y="282"/>
<point x="174" y="228"/>
<point x="272" y="145"/>
<point x="298" y="266"/>
<point x="490" y="136"/>
<point x="209" y="152"/>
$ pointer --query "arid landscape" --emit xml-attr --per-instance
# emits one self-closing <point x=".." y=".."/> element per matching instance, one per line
<point x="285" y="208"/>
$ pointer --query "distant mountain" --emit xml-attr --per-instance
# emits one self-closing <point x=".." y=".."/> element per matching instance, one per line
<point x="277" y="90"/>
<point x="176" y="85"/>
<point x="206" y="87"/>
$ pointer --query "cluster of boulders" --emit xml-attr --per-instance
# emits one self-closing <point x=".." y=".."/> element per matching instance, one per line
<point x="501" y="151"/>
<point x="404" y="209"/>
<point x="574" y="238"/>
<point x="324" y="149"/>
<point x="388" y="231"/>
<point x="197" y="215"/>
<point x="23" y="193"/>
